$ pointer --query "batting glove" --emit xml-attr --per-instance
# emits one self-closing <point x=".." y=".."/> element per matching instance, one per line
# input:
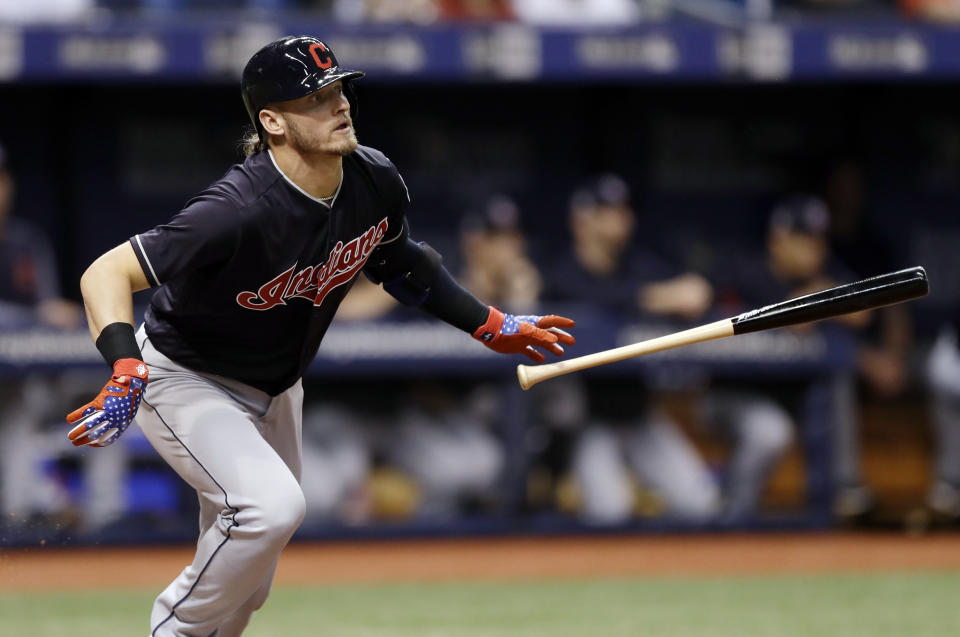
<point x="509" y="334"/>
<point x="101" y="421"/>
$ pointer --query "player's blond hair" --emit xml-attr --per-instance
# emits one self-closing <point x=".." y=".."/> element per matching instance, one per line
<point x="251" y="143"/>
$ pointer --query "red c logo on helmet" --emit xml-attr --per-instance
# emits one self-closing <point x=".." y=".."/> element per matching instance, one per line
<point x="325" y="62"/>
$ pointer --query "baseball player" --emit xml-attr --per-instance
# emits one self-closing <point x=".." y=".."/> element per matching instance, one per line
<point x="249" y="276"/>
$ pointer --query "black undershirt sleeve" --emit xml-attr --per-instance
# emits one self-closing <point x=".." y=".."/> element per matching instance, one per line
<point x="452" y="303"/>
<point x="413" y="273"/>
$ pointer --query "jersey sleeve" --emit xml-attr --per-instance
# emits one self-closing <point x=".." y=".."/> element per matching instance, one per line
<point x="391" y="191"/>
<point x="398" y="200"/>
<point x="204" y="232"/>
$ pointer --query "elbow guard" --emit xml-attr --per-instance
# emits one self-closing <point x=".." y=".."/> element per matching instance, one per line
<point x="412" y="286"/>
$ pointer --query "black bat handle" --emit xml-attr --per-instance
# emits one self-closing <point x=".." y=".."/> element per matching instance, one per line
<point x="867" y="294"/>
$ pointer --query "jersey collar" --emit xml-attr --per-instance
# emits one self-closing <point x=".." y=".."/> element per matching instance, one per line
<point x="323" y="202"/>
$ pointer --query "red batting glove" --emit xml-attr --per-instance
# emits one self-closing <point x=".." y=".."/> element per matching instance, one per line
<point x="509" y="334"/>
<point x="101" y="421"/>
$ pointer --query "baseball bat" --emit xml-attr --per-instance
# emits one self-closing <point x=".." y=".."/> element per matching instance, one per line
<point x="886" y="289"/>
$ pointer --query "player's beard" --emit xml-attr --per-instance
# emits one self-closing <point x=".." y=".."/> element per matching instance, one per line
<point x="308" y="142"/>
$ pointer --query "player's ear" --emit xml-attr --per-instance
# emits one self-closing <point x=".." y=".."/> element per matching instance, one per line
<point x="272" y="122"/>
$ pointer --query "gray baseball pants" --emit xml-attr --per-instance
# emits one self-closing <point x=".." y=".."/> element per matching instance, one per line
<point x="240" y="449"/>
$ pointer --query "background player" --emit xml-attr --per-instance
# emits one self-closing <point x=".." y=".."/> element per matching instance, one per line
<point x="249" y="276"/>
<point x="622" y="428"/>
<point x="30" y="296"/>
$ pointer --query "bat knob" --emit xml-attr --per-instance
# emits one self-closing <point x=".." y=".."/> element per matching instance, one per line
<point x="522" y="377"/>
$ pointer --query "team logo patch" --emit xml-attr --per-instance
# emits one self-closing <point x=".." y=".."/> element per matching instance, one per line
<point x="315" y="282"/>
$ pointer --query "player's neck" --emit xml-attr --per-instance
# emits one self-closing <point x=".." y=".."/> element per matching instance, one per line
<point x="318" y="175"/>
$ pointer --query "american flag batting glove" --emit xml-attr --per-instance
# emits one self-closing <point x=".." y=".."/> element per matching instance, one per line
<point x="509" y="334"/>
<point x="101" y="421"/>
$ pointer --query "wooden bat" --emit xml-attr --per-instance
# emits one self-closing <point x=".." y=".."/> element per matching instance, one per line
<point x="867" y="294"/>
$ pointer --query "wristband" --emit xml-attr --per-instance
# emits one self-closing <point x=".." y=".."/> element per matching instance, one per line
<point x="117" y="341"/>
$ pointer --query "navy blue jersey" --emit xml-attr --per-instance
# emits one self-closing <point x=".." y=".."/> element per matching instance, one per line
<point x="622" y="400"/>
<point x="252" y="270"/>
<point x="568" y="281"/>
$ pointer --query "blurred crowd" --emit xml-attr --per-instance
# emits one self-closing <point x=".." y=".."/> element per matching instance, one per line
<point x="557" y="12"/>
<point x="560" y="13"/>
<point x="601" y="449"/>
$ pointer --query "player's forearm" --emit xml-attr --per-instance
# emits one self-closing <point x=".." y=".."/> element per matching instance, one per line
<point x="688" y="296"/>
<point x="452" y="303"/>
<point x="105" y="300"/>
<point x="108" y="286"/>
<point x="413" y="274"/>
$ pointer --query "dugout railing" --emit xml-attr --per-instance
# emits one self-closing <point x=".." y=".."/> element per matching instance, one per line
<point x="809" y="361"/>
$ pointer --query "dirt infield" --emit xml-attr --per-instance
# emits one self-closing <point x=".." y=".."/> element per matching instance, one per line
<point x="433" y="560"/>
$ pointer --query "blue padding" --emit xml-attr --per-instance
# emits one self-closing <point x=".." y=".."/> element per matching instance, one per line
<point x="151" y="491"/>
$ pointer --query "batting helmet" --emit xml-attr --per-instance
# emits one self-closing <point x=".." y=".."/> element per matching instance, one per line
<point x="800" y="213"/>
<point x="286" y="69"/>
